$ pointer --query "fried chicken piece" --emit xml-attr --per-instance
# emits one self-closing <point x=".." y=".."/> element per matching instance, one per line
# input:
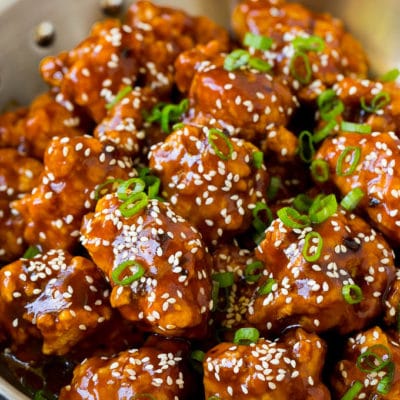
<point x="287" y="369"/>
<point x="340" y="55"/>
<point x="312" y="293"/>
<point x="73" y="168"/>
<point x="148" y="372"/>
<point x="52" y="296"/>
<point x="391" y="304"/>
<point x="213" y="183"/>
<point x="371" y="358"/>
<point x="18" y="175"/>
<point x="157" y="264"/>
<point x="375" y="172"/>
<point x="140" y="52"/>
<point x="10" y="135"/>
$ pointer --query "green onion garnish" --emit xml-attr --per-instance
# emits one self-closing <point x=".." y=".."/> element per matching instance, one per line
<point x="292" y="218"/>
<point x="119" y="96"/>
<point x="329" y="105"/>
<point x="133" y="204"/>
<point x="352" y="152"/>
<point x="352" y="294"/>
<point x="197" y="355"/>
<point x="246" y="336"/>
<point x="302" y="203"/>
<point x="354" y="390"/>
<point x="166" y="114"/>
<point x="347" y="126"/>
<point x="325" y="131"/>
<point x="236" y="59"/>
<point x="123" y="191"/>
<point x="259" y="225"/>
<point x="390" y="76"/>
<point x="258" y="42"/>
<point x="258" y="159"/>
<point x="273" y="188"/>
<point x="152" y="183"/>
<point x="311" y="43"/>
<point x="306" y="148"/>
<point x="252" y="272"/>
<point x="126" y="266"/>
<point x="215" y="134"/>
<point x="374" y="359"/>
<point x="351" y="200"/>
<point x="311" y="250"/>
<point x="44" y="395"/>
<point x="385" y="383"/>
<point x="322" y="208"/>
<point x="267" y="287"/>
<point x="224" y="279"/>
<point x="31" y="252"/>
<point x="320" y="170"/>
<point x="98" y="192"/>
<point x="300" y="68"/>
<point x="259" y="64"/>
<point x="379" y="101"/>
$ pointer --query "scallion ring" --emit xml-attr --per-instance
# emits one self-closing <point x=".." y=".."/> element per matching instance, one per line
<point x="252" y="272"/>
<point x="324" y="132"/>
<point x="311" y="43"/>
<point x="300" y="68"/>
<point x="244" y="336"/>
<point x="306" y="148"/>
<point x="259" y="42"/>
<point x="311" y="250"/>
<point x="99" y="189"/>
<point x="172" y="113"/>
<point x="258" y="159"/>
<point x="319" y="170"/>
<point x="125" y="191"/>
<point x="126" y="266"/>
<point x="197" y="355"/>
<point x="390" y="76"/>
<point x="322" y="208"/>
<point x="386" y="382"/>
<point x="223" y="153"/>
<point x="351" y="200"/>
<point x="302" y="203"/>
<point x="352" y="294"/>
<point x="374" y="359"/>
<point x="119" y="96"/>
<point x="31" y="252"/>
<point x="381" y="100"/>
<point x="133" y="204"/>
<point x="224" y="279"/>
<point x="348" y="161"/>
<point x="259" y="224"/>
<point x="273" y="187"/>
<point x="259" y="64"/>
<point x="292" y="218"/>
<point x="329" y="105"/>
<point x="236" y="59"/>
<point x="267" y="287"/>
<point x="353" y="127"/>
<point x="354" y="390"/>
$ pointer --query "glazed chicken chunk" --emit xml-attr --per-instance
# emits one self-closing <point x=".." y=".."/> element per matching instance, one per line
<point x="54" y="297"/>
<point x="73" y="168"/>
<point x="210" y="179"/>
<point x="287" y="369"/>
<point x="328" y="276"/>
<point x="157" y="265"/>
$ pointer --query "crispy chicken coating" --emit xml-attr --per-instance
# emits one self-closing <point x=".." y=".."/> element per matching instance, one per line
<point x="73" y="168"/>
<point x="391" y="305"/>
<point x="53" y="296"/>
<point x="313" y="293"/>
<point x="10" y="135"/>
<point x="341" y="54"/>
<point x="210" y="180"/>
<point x="140" y="52"/>
<point x="375" y="172"/>
<point x="371" y="358"/>
<point x="172" y="294"/>
<point x="147" y="372"/>
<point x="266" y="370"/>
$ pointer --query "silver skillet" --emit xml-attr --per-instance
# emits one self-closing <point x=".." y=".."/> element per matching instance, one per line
<point x="25" y="25"/>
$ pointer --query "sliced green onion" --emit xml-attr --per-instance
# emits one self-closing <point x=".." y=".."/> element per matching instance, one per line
<point x="273" y="188"/>
<point x="152" y="183"/>
<point x="214" y="398"/>
<point x="31" y="252"/>
<point x="155" y="113"/>
<point x="329" y="105"/>
<point x="119" y="96"/>
<point x="350" y="151"/>
<point x="374" y="359"/>
<point x="124" y="266"/>
<point x="133" y="204"/>
<point x="352" y="294"/>
<point x="197" y="355"/>
<point x="354" y="390"/>
<point x="258" y="159"/>
<point x="311" y="43"/>
<point x="347" y="126"/>
<point x="252" y="272"/>
<point x="236" y="59"/>
<point x="303" y="73"/>
<point x="165" y="113"/>
<point x="306" y="148"/>
<point x="267" y="287"/>
<point x="258" y="42"/>
<point x="224" y="279"/>
<point x="385" y="383"/>
<point x="138" y="186"/>
<point x="292" y="218"/>
<point x="258" y="224"/>
<point x="351" y="200"/>
<point x="214" y="134"/>
<point x="302" y="203"/>
<point x="99" y="189"/>
<point x="309" y="243"/>
<point x="44" y="395"/>
<point x="246" y="336"/>
<point x="325" y="131"/>
<point x="178" y="126"/>
<point x="320" y="170"/>
<point x="390" y="76"/>
<point x="259" y="64"/>
<point x="322" y="208"/>
<point x="379" y="101"/>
